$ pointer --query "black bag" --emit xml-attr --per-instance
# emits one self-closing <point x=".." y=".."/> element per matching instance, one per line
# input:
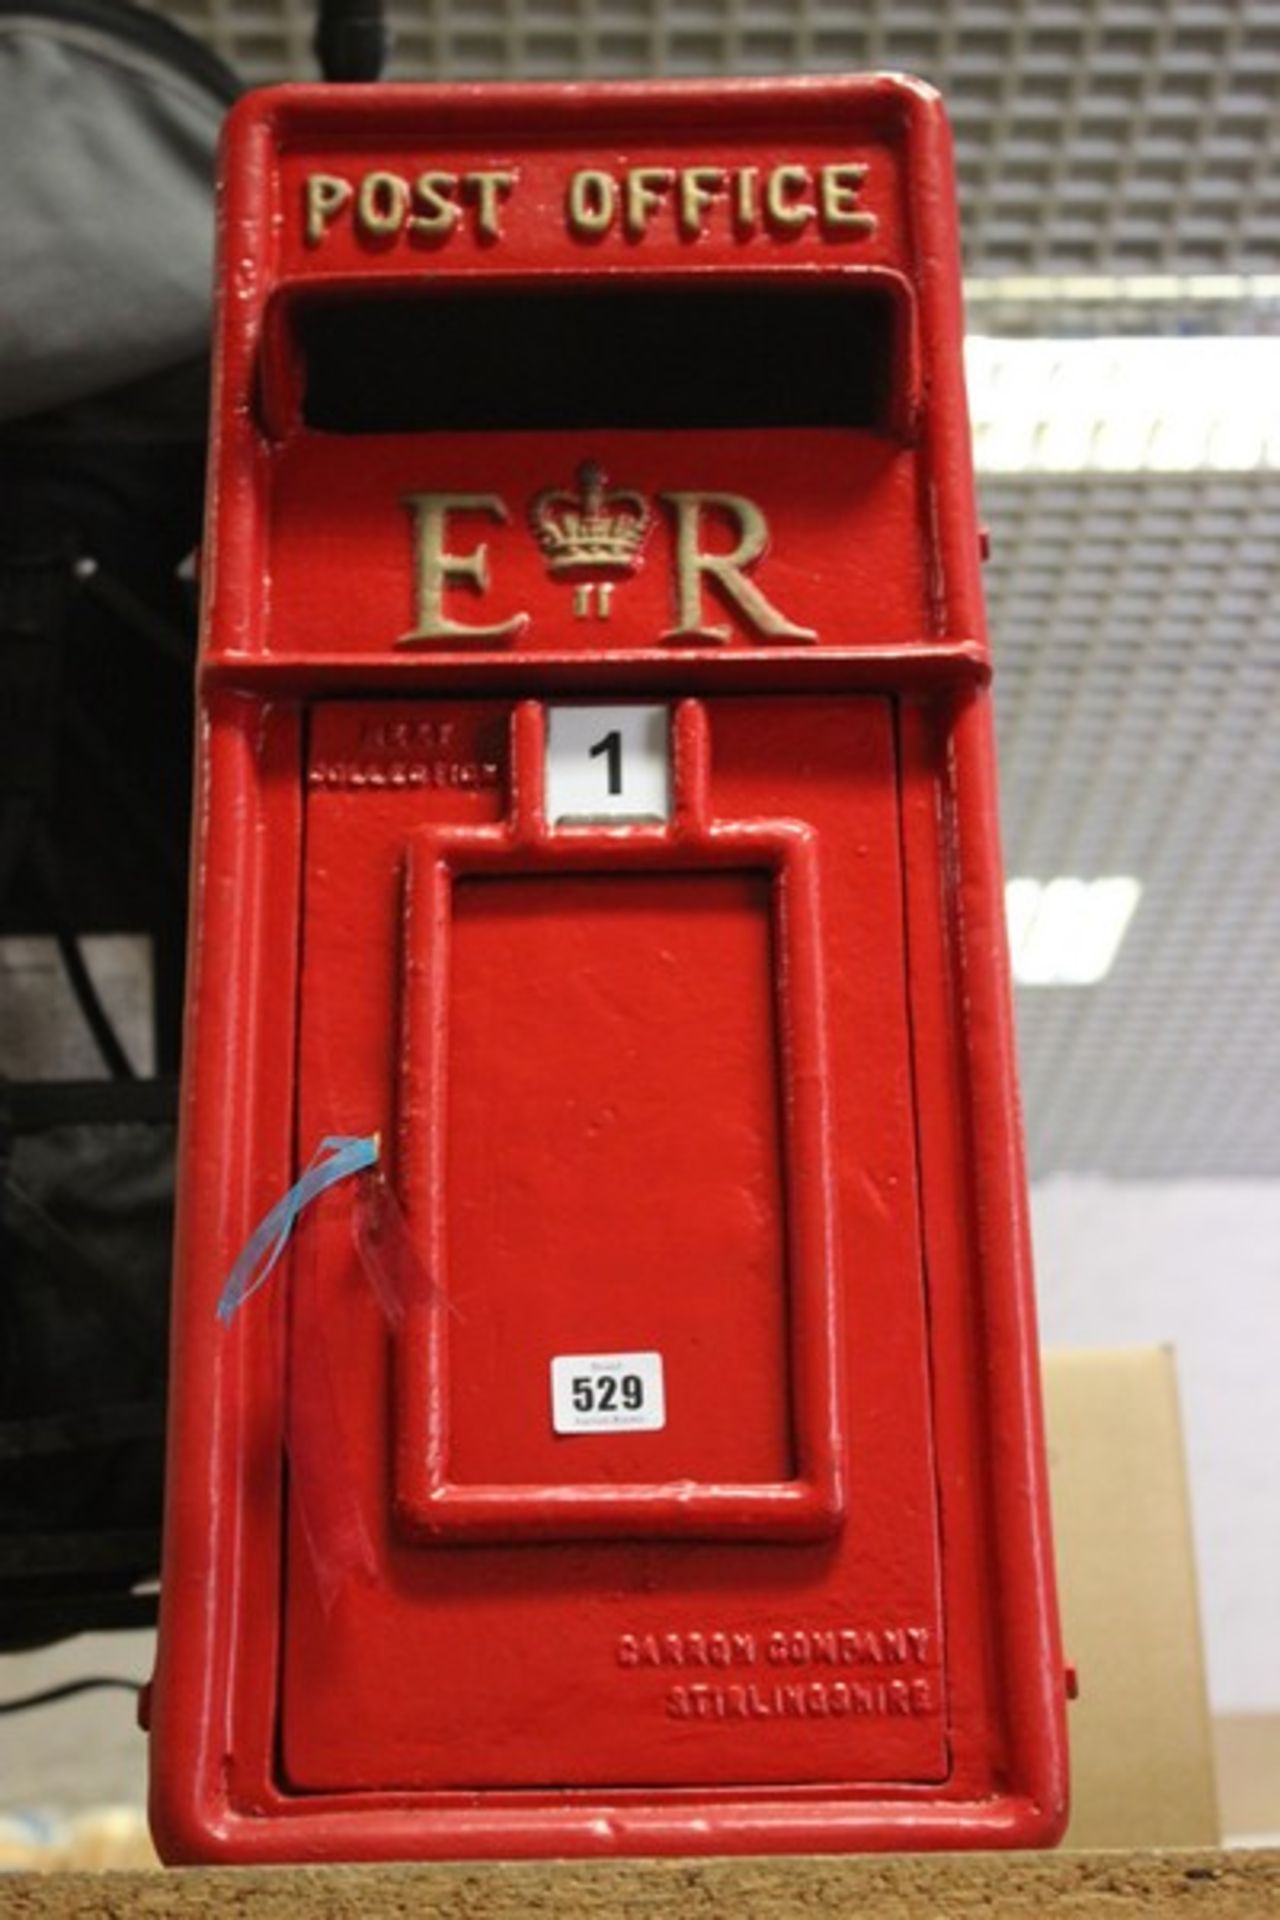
<point x="108" y="122"/>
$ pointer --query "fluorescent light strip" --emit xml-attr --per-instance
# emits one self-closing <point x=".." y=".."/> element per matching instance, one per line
<point x="1067" y="932"/>
<point x="1207" y="403"/>
<point x="1121" y="289"/>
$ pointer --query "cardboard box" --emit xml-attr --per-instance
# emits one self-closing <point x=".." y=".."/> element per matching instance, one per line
<point x="1141" y="1746"/>
<point x="1247" y="1754"/>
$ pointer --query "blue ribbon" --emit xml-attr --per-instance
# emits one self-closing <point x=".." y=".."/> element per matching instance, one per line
<point x="336" y="1158"/>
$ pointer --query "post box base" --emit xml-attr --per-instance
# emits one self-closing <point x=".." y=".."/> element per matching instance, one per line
<point x="599" y="1829"/>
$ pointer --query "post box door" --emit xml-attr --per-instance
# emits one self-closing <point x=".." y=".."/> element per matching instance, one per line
<point x="644" y="1081"/>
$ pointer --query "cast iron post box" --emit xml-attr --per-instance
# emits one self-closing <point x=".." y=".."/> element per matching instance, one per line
<point x="597" y="828"/>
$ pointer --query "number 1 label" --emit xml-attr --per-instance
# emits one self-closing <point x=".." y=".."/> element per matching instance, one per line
<point x="608" y="763"/>
<point x="611" y="745"/>
<point x="607" y="1393"/>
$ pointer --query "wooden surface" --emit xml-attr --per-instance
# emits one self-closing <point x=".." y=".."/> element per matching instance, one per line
<point x="1094" y="1886"/>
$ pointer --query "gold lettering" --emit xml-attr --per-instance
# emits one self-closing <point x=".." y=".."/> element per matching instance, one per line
<point x="746" y="198"/>
<point x="437" y="568"/>
<point x="326" y="196"/>
<point x="487" y="189"/>
<point x="698" y="189"/>
<point x="726" y="570"/>
<point x="646" y="187"/>
<point x="434" y="210"/>
<point x="780" y="189"/>
<point x="593" y="201"/>
<point x="382" y="204"/>
<point x="838" y="188"/>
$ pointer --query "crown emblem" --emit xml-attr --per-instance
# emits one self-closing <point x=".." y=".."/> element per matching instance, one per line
<point x="592" y="528"/>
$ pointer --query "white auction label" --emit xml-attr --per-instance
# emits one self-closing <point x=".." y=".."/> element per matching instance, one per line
<point x="607" y="1392"/>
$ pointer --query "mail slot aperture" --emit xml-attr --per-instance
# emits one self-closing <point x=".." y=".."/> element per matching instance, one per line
<point x="640" y="356"/>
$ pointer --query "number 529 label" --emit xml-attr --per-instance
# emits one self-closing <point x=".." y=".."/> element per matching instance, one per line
<point x="607" y="1392"/>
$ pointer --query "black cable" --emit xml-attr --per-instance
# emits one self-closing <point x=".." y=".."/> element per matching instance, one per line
<point x="49" y="1695"/>
<point x="96" y="1018"/>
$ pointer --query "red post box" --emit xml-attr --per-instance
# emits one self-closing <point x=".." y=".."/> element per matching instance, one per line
<point x="597" y="824"/>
